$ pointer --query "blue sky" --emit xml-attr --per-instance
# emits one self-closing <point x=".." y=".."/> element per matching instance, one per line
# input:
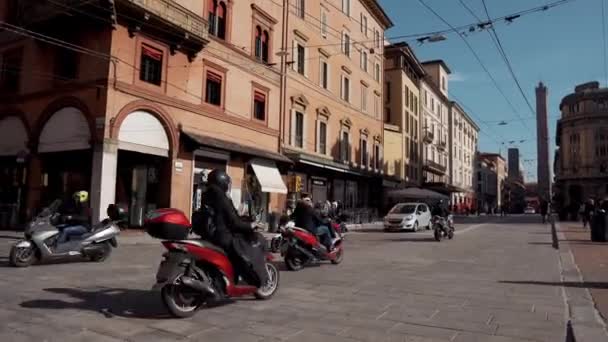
<point x="561" y="47"/>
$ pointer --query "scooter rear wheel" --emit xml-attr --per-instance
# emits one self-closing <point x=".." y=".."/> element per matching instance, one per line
<point x="293" y="261"/>
<point x="181" y="301"/>
<point x="102" y="254"/>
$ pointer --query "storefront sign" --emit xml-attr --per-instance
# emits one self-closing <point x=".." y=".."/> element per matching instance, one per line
<point x="318" y="182"/>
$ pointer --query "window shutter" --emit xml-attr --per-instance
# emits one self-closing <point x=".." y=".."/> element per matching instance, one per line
<point x="259" y="97"/>
<point x="294" y="55"/>
<point x="213" y="77"/>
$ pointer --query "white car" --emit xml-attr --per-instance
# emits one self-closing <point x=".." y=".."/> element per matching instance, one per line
<point x="529" y="210"/>
<point x="408" y="216"/>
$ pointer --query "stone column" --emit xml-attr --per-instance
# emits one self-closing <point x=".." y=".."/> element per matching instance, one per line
<point x="33" y="186"/>
<point x="103" y="177"/>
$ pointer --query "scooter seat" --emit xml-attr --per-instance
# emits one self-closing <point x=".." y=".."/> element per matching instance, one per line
<point x="205" y="244"/>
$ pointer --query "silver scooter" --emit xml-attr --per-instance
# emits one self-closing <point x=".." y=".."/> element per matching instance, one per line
<point x="40" y="243"/>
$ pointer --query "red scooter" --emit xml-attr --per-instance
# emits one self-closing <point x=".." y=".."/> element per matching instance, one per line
<point x="299" y="248"/>
<point x="195" y="271"/>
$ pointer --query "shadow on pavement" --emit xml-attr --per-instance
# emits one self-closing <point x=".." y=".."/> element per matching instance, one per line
<point x="541" y="243"/>
<point x="583" y="284"/>
<point x="120" y="302"/>
<point x="410" y="239"/>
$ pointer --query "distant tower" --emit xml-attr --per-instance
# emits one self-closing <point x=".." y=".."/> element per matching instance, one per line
<point x="542" y="143"/>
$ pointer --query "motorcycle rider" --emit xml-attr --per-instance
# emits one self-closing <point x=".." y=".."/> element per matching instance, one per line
<point x="232" y="233"/>
<point x="75" y="216"/>
<point x="305" y="217"/>
<point x="441" y="210"/>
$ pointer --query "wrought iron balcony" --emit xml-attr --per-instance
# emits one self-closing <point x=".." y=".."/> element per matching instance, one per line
<point x="442" y="146"/>
<point x="434" y="167"/>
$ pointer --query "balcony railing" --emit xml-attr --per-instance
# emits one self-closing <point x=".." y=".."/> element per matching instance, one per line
<point x="442" y="145"/>
<point x="434" y="167"/>
<point x="163" y="19"/>
<point x="175" y="14"/>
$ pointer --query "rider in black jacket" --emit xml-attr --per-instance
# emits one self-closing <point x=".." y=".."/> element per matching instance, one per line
<point x="236" y="236"/>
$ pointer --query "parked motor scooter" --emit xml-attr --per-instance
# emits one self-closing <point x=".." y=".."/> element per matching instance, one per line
<point x="40" y="243"/>
<point x="194" y="271"/>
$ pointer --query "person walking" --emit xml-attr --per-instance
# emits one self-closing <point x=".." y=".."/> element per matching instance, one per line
<point x="588" y="210"/>
<point x="544" y="208"/>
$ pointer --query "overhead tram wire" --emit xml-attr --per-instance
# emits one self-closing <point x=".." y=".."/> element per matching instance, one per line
<point x="510" y="67"/>
<point x="495" y="83"/>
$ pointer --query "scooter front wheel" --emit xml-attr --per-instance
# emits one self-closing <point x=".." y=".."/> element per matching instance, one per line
<point x="437" y="233"/>
<point x="22" y="256"/>
<point x="271" y="287"/>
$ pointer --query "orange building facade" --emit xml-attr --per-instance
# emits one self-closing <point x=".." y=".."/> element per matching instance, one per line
<point x="137" y="100"/>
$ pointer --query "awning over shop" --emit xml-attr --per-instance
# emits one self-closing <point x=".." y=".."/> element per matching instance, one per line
<point x="416" y="193"/>
<point x="234" y="147"/>
<point x="268" y="176"/>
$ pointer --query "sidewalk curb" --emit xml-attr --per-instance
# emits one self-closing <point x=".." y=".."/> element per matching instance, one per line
<point x="587" y="323"/>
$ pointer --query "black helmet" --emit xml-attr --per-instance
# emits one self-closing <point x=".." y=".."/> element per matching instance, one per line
<point x="219" y="178"/>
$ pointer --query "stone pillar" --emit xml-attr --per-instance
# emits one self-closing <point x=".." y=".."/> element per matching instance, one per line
<point x="33" y="185"/>
<point x="103" y="178"/>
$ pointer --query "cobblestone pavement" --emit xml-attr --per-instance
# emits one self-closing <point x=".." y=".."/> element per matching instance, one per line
<point x="481" y="286"/>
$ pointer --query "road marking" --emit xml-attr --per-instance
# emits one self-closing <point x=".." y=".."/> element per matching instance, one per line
<point x="469" y="228"/>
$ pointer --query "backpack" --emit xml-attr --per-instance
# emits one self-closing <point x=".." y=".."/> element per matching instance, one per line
<point x="203" y="223"/>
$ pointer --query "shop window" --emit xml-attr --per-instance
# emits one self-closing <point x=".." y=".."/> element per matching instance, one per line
<point x="299" y="130"/>
<point x="213" y="88"/>
<point x="217" y="18"/>
<point x="259" y="105"/>
<point x="66" y="63"/>
<point x="322" y="149"/>
<point x="262" y="40"/>
<point x="151" y="65"/>
<point x="10" y="75"/>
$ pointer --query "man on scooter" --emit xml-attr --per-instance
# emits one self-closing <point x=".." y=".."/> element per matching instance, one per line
<point x="75" y="216"/>
<point x="232" y="233"/>
<point x="441" y="210"/>
<point x="304" y="217"/>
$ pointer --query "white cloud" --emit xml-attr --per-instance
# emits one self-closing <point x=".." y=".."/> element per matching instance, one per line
<point x="457" y="77"/>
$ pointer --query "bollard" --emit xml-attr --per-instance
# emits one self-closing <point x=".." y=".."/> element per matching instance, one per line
<point x="554" y="232"/>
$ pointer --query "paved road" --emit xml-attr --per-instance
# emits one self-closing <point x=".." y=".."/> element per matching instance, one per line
<point x="481" y="286"/>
